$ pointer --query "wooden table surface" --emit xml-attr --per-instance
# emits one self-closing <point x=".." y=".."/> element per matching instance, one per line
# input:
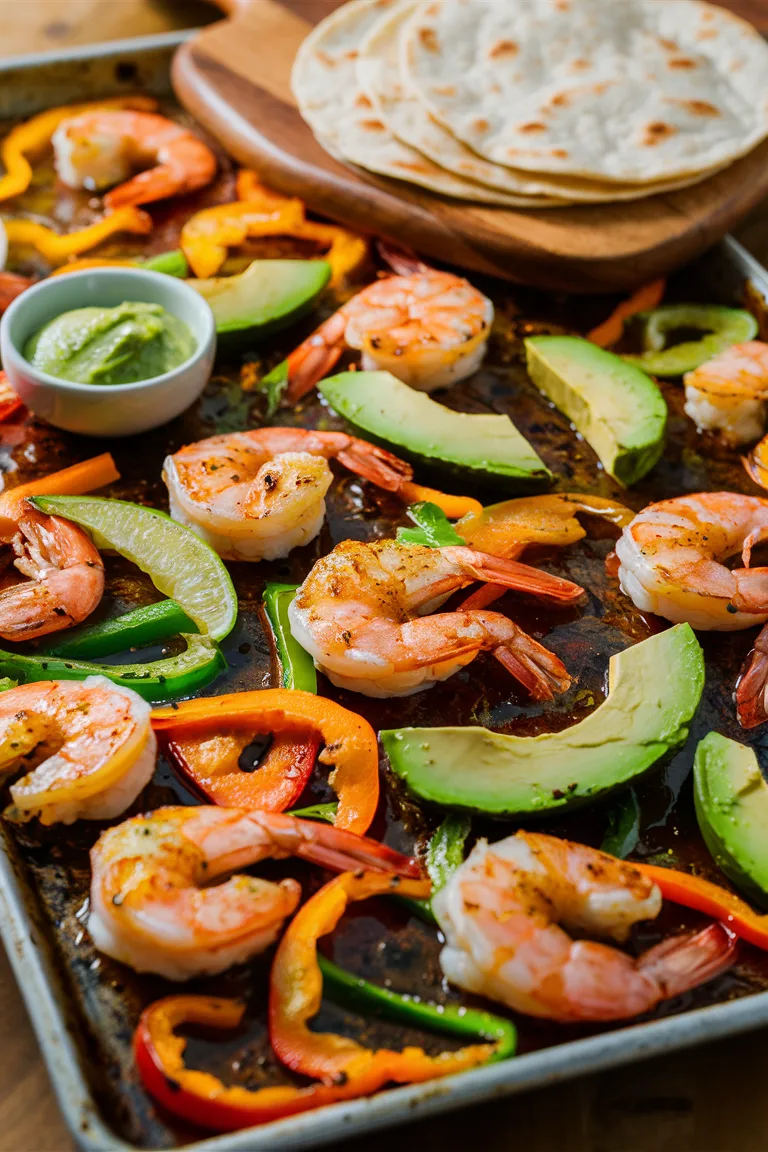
<point x="709" y="1100"/>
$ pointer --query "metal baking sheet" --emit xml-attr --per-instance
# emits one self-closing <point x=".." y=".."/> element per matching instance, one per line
<point x="27" y="85"/>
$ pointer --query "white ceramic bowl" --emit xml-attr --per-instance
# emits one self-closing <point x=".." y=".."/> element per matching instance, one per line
<point x="107" y="409"/>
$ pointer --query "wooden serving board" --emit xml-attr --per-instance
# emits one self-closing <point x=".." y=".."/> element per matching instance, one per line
<point x="234" y="77"/>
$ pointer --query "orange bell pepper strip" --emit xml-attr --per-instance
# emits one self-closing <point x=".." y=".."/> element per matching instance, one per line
<point x="453" y="506"/>
<point x="33" y="135"/>
<point x="507" y="529"/>
<point x="211" y="762"/>
<point x="89" y="262"/>
<point x="704" y="896"/>
<point x="345" y="250"/>
<point x="350" y="742"/>
<point x="296" y="988"/>
<point x="73" y="481"/>
<point x="57" y="248"/>
<point x="611" y="330"/>
<point x="208" y="235"/>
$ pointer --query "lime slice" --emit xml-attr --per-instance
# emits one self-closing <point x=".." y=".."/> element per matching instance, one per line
<point x="178" y="562"/>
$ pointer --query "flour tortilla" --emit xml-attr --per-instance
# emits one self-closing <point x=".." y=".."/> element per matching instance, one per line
<point x="613" y="90"/>
<point x="395" y="103"/>
<point x="324" y="81"/>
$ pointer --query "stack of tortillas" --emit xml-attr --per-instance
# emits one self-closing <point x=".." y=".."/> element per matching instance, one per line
<point x="535" y="103"/>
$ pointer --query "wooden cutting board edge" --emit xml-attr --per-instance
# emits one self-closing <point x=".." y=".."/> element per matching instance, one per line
<point x="220" y="96"/>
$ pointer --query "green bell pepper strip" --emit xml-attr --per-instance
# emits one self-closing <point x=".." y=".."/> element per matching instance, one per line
<point x="297" y="666"/>
<point x="273" y="386"/>
<point x="324" y="812"/>
<point x="136" y="629"/>
<point x="160" y="680"/>
<point x="170" y="263"/>
<point x="357" y="993"/>
<point x="721" y="326"/>
<point x="623" y="831"/>
<point x="444" y="855"/>
<point x="433" y="528"/>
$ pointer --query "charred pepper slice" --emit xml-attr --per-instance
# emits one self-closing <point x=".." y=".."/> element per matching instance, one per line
<point x="350" y="742"/>
<point x="296" y="989"/>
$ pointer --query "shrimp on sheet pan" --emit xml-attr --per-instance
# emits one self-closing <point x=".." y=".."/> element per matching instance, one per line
<point x="363" y="615"/>
<point x="259" y="494"/>
<point x="156" y="905"/>
<point x="429" y="328"/>
<point x="104" y="148"/>
<point x="672" y="563"/>
<point x="507" y="913"/>
<point x="729" y="393"/>
<point x="87" y="749"/>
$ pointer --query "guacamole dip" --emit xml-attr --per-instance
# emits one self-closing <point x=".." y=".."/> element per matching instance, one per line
<point x="122" y="345"/>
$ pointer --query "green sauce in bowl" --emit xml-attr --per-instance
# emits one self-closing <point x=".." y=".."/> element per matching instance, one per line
<point x="123" y="345"/>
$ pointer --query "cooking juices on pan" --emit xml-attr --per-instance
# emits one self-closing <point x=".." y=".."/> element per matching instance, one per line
<point x="378" y="541"/>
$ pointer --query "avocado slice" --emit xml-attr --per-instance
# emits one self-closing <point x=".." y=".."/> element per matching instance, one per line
<point x="732" y="810"/>
<point x="654" y="689"/>
<point x="723" y="327"/>
<point x="268" y="295"/>
<point x="475" y="446"/>
<point x="618" y="410"/>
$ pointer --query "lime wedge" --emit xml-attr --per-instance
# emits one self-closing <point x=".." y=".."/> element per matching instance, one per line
<point x="178" y="562"/>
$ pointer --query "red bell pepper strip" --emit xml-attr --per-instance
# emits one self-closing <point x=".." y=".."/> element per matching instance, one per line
<point x="350" y="742"/>
<point x="296" y="989"/>
<point x="9" y="401"/>
<point x="704" y="896"/>
<point x="212" y="763"/>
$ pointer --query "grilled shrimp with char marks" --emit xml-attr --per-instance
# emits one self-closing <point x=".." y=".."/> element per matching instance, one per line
<point x="257" y="495"/>
<point x="155" y="903"/>
<point x="87" y="748"/>
<point x="507" y="911"/>
<point x="363" y="615"/>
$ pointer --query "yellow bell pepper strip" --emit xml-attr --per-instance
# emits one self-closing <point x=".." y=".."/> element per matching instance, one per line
<point x="57" y="248"/>
<point x="645" y="298"/>
<point x="33" y="135"/>
<point x="507" y="529"/>
<point x="350" y="742"/>
<point x="74" y="481"/>
<point x="296" y="988"/>
<point x="208" y="235"/>
<point x="345" y="250"/>
<point x="212" y="763"/>
<point x="704" y="896"/>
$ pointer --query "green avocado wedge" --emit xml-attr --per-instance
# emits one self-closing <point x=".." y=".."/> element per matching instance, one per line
<point x="615" y="406"/>
<point x="731" y="799"/>
<point x="267" y="296"/>
<point x="479" y="447"/>
<point x="654" y="690"/>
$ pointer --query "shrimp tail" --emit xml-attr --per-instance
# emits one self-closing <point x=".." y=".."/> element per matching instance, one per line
<point x="402" y="261"/>
<point x="539" y="671"/>
<point x="375" y="464"/>
<point x="331" y="847"/>
<point x="683" y="962"/>
<point x="752" y="685"/>
<point x="513" y="574"/>
<point x="315" y="357"/>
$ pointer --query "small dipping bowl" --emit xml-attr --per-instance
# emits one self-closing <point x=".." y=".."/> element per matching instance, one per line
<point x="107" y="409"/>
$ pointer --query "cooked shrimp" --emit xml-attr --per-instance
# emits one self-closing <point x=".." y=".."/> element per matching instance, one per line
<point x="429" y="329"/>
<point x="359" y="614"/>
<point x="729" y="393"/>
<point x="671" y="560"/>
<point x="66" y="577"/>
<point x="87" y="749"/>
<point x="257" y="495"/>
<point x="100" y="149"/>
<point x="154" y="906"/>
<point x="506" y="913"/>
